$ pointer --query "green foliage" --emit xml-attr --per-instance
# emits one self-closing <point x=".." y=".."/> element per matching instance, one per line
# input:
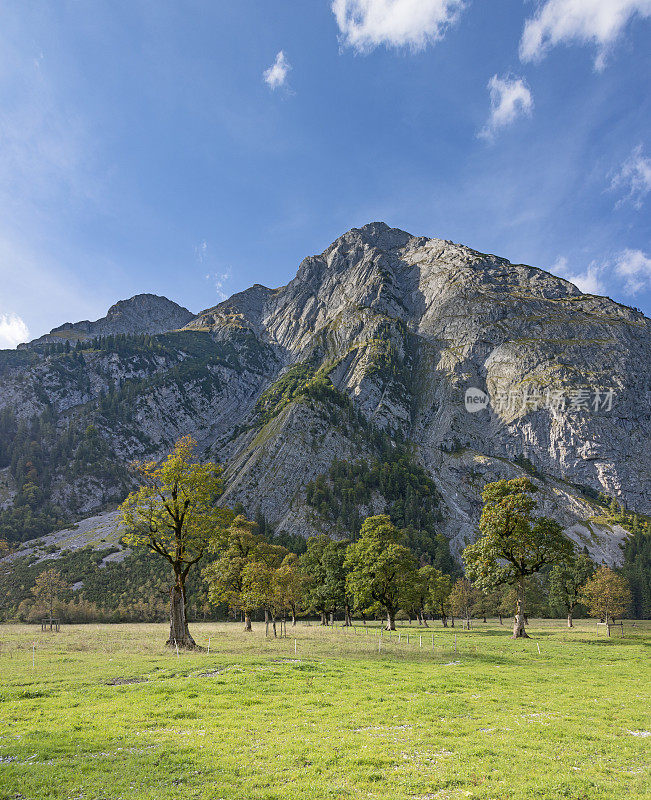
<point x="637" y="570"/>
<point x="300" y="382"/>
<point x="412" y="500"/>
<point x="380" y="569"/>
<point x="174" y="513"/>
<point x="566" y="581"/>
<point x="606" y="594"/>
<point x="512" y="543"/>
<point x="76" y="446"/>
<point x="325" y="573"/>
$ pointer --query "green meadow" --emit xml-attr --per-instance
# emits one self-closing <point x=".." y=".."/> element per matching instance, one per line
<point x="106" y="711"/>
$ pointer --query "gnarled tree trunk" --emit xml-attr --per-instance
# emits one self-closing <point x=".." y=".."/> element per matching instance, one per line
<point x="179" y="633"/>
<point x="519" y="622"/>
<point x="391" y="620"/>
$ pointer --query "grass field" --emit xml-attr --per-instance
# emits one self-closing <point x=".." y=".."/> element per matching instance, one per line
<point x="106" y="711"/>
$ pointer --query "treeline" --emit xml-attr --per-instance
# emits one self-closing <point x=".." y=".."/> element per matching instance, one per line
<point x="38" y="451"/>
<point x="48" y="446"/>
<point x="410" y="495"/>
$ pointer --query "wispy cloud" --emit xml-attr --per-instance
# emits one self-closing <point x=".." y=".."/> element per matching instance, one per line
<point x="276" y="76"/>
<point x="13" y="331"/>
<point x="634" y="178"/>
<point x="366" y="24"/>
<point x="510" y="98"/>
<point x="631" y="266"/>
<point x="201" y="251"/>
<point x="634" y="267"/>
<point x="600" y="22"/>
<point x="590" y="281"/>
<point x="219" y="280"/>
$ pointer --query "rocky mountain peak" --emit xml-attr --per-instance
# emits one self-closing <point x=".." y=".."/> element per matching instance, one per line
<point x="142" y="313"/>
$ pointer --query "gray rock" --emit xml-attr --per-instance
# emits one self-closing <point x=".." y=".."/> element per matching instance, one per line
<point x="402" y="325"/>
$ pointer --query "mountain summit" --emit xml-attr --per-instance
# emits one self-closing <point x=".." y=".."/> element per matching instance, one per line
<point x="143" y="313"/>
<point x="349" y="391"/>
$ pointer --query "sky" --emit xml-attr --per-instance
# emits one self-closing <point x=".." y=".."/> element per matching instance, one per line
<point x="191" y="149"/>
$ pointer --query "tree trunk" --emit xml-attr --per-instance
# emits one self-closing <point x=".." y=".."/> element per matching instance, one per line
<point x="332" y="617"/>
<point x="293" y="619"/>
<point x="247" y="622"/>
<point x="391" y="620"/>
<point x="501" y="621"/>
<point x="569" y="620"/>
<point x="519" y="622"/>
<point x="347" y="620"/>
<point x="452" y="621"/>
<point x="179" y="633"/>
<point x="273" y="625"/>
<point x="266" y="622"/>
<point x="444" y="620"/>
<point x="324" y="621"/>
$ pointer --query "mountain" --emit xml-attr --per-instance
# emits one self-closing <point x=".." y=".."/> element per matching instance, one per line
<point x="343" y="394"/>
<point x="143" y="313"/>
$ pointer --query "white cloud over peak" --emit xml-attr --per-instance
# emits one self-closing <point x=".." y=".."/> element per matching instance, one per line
<point x="600" y="22"/>
<point x="589" y="281"/>
<point x="276" y="76"/>
<point x="634" y="267"/>
<point x="13" y="331"/>
<point x="510" y="99"/>
<point x="366" y="24"/>
<point x="219" y="280"/>
<point x="634" y="178"/>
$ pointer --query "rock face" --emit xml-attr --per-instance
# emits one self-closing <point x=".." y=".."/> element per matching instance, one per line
<point x="143" y="313"/>
<point x="378" y="339"/>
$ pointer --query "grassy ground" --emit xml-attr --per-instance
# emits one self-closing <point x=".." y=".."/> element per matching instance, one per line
<point x="255" y="720"/>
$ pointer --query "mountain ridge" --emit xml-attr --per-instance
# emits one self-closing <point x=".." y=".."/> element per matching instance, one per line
<point x="369" y="351"/>
<point x="142" y="313"/>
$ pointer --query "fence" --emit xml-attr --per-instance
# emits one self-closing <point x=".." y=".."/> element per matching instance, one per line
<point x="609" y="625"/>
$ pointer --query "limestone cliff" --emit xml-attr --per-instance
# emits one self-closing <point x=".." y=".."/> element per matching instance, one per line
<point x="372" y="345"/>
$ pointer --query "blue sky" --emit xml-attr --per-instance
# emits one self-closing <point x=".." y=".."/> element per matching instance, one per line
<point x="193" y="148"/>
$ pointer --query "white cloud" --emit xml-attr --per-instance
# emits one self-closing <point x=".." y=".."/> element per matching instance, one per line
<point x="589" y="281"/>
<point x="366" y="24"/>
<point x="564" y="21"/>
<point x="219" y="280"/>
<point x="635" y="267"/>
<point x="13" y="331"/>
<point x="634" y="177"/>
<point x="510" y="99"/>
<point x="276" y="76"/>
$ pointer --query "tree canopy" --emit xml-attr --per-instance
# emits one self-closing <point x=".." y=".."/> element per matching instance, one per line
<point x="175" y="514"/>
<point x="381" y="570"/>
<point x="606" y="594"/>
<point x="512" y="543"/>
